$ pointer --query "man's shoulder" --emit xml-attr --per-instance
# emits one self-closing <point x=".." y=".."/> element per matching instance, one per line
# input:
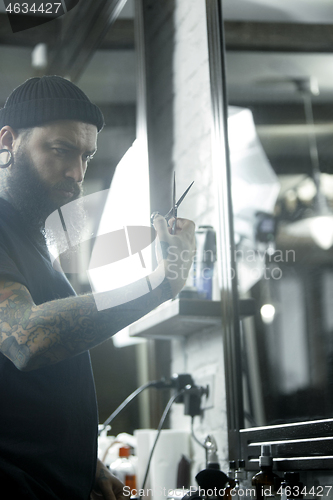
<point x="9" y="220"/>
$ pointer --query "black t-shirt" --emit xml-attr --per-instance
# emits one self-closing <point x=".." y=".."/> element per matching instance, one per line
<point x="48" y="416"/>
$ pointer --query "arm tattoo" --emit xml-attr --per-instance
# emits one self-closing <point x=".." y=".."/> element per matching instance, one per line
<point x="33" y="336"/>
<point x="14" y="351"/>
<point x="102" y="475"/>
<point x="165" y="249"/>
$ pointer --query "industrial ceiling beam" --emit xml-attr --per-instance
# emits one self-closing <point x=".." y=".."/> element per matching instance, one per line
<point x="45" y="33"/>
<point x="283" y="113"/>
<point x="120" y="37"/>
<point x="278" y="37"/>
<point x="283" y="134"/>
<point x="83" y="29"/>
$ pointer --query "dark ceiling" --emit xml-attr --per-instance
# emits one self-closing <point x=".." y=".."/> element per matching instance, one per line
<point x="265" y="42"/>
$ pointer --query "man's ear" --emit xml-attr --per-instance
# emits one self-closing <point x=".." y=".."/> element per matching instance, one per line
<point x="8" y="136"/>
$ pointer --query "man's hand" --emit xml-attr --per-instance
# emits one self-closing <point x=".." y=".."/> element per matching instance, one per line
<point x="107" y="486"/>
<point x="176" y="251"/>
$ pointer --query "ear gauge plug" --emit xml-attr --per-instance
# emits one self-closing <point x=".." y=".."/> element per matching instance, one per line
<point x="6" y="158"/>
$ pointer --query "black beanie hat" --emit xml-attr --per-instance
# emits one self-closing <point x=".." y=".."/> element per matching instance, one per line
<point x="49" y="98"/>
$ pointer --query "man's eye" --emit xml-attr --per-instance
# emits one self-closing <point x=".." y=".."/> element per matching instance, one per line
<point x="61" y="151"/>
<point x="88" y="158"/>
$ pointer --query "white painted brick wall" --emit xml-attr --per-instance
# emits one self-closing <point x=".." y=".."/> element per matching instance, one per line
<point x="199" y="354"/>
<point x="184" y="143"/>
<point x="192" y="139"/>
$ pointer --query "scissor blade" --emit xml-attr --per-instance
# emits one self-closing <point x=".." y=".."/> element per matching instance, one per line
<point x="174" y="206"/>
<point x="174" y="209"/>
<point x="170" y="213"/>
<point x="184" y="194"/>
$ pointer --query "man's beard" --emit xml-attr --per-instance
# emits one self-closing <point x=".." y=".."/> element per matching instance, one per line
<point x="35" y="199"/>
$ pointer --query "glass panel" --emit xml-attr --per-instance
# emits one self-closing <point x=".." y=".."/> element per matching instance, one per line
<point x="281" y="149"/>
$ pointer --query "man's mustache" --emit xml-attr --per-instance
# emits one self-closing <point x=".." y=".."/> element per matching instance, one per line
<point x="70" y="186"/>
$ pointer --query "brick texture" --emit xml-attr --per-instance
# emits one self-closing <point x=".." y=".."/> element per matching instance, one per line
<point x="179" y="124"/>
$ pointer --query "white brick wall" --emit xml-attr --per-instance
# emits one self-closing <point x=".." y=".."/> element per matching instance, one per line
<point x="192" y="121"/>
<point x="180" y="124"/>
<point x="192" y="161"/>
<point x="201" y="354"/>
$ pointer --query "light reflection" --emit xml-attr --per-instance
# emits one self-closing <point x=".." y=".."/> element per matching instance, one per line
<point x="267" y="312"/>
<point x="128" y="204"/>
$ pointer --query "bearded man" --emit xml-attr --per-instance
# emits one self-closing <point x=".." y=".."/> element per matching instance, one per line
<point x="48" y="418"/>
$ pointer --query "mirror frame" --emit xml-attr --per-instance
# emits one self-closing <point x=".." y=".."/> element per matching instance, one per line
<point x="297" y="446"/>
<point x="224" y="231"/>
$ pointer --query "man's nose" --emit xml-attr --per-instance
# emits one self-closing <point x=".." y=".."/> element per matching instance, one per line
<point x="76" y="170"/>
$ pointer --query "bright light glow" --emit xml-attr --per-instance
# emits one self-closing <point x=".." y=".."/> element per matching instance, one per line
<point x="326" y="185"/>
<point x="255" y="186"/>
<point x="307" y="190"/>
<point x="128" y="204"/>
<point x="267" y="313"/>
<point x="321" y="229"/>
<point x="39" y="56"/>
<point x="241" y="129"/>
<point x="128" y="200"/>
<point x="123" y="338"/>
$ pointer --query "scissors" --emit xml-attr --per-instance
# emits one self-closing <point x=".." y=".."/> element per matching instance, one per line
<point x="173" y="211"/>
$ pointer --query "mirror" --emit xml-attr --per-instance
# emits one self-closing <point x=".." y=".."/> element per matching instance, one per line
<point x="277" y="74"/>
<point x="110" y="79"/>
<point x="114" y="79"/>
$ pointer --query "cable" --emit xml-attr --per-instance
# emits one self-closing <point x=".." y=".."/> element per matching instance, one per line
<point x="197" y="440"/>
<point x="159" y="428"/>
<point x="126" y="402"/>
<point x="195" y="437"/>
<point x="177" y="381"/>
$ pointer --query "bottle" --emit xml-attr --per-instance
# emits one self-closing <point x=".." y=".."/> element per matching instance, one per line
<point x="292" y="487"/>
<point x="212" y="460"/>
<point x="184" y="473"/>
<point x="266" y="483"/>
<point x="211" y="478"/>
<point x="243" y="483"/>
<point x="124" y="469"/>
<point x="203" y="265"/>
<point x="240" y="473"/>
<point x="232" y="469"/>
<point x="231" y="483"/>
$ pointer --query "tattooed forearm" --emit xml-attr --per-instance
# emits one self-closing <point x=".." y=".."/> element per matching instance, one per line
<point x="33" y="336"/>
<point x="19" y="354"/>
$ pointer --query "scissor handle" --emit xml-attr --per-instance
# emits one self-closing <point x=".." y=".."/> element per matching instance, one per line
<point x="167" y="218"/>
<point x="152" y="217"/>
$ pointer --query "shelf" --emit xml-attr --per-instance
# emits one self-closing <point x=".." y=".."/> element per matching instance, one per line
<point x="182" y="317"/>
